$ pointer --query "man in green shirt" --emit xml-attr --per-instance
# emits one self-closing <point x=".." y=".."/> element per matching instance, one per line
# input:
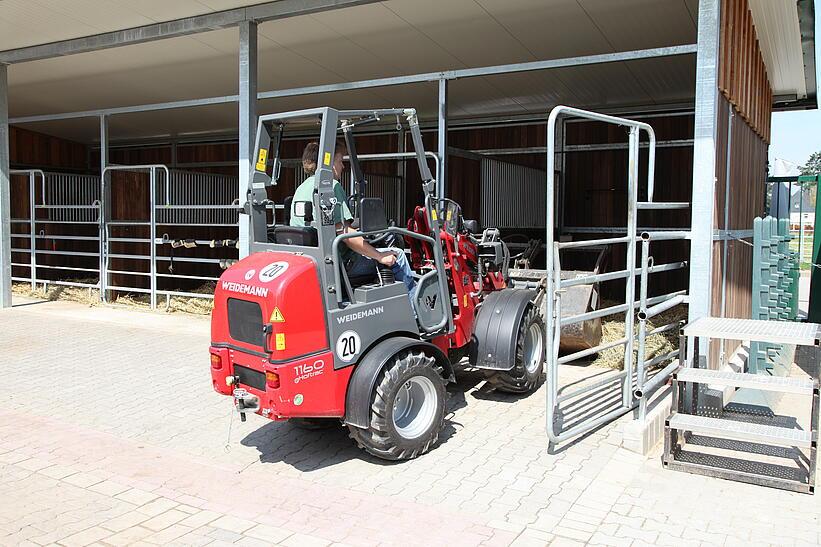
<point x="358" y="256"/>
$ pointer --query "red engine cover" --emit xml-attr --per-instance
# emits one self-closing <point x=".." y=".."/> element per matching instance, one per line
<point x="286" y="287"/>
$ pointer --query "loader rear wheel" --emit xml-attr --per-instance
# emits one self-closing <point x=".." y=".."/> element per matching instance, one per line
<point x="407" y="408"/>
<point x="527" y="374"/>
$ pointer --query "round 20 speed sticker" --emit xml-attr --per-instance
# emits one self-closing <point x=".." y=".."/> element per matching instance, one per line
<point x="348" y="346"/>
<point x="272" y="271"/>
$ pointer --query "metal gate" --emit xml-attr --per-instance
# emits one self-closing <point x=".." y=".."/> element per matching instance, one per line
<point x="128" y="229"/>
<point x="60" y="228"/>
<point x="635" y="386"/>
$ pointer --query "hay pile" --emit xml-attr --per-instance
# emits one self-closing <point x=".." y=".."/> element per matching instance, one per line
<point x="83" y="295"/>
<point x="193" y="305"/>
<point x="91" y="297"/>
<point x="613" y="328"/>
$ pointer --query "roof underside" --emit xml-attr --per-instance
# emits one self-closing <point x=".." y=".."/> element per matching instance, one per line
<point x="390" y="38"/>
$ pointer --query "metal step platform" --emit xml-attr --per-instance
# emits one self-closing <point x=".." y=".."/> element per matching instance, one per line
<point x="732" y="447"/>
<point x="803" y="386"/>
<point x="741" y="431"/>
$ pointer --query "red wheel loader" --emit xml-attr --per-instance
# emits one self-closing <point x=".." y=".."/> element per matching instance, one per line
<point x="293" y="336"/>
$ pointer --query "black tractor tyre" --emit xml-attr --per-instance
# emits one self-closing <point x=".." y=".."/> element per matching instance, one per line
<point x="312" y="424"/>
<point x="392" y="410"/>
<point x="527" y="374"/>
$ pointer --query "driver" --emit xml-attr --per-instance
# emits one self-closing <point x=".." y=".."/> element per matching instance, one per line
<point x="359" y="257"/>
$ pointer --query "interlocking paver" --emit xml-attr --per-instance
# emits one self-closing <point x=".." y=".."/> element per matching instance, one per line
<point x="136" y="496"/>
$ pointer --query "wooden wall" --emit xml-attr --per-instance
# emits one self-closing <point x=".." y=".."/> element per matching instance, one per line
<point x="29" y="149"/>
<point x="32" y="149"/>
<point x="746" y="163"/>
<point x="743" y="133"/>
<point x="743" y="78"/>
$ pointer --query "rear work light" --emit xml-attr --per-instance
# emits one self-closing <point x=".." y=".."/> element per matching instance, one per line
<point x="216" y="361"/>
<point x="272" y="380"/>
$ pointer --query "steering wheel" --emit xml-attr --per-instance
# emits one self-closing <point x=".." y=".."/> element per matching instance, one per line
<point x="386" y="239"/>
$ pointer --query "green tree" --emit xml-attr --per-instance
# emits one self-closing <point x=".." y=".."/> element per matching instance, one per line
<point x="813" y="165"/>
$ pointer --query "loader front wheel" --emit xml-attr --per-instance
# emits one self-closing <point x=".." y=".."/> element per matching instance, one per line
<point x="407" y="408"/>
<point x="527" y="373"/>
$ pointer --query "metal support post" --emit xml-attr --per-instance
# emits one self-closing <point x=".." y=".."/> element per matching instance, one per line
<point x="152" y="235"/>
<point x="814" y="312"/>
<point x="630" y="290"/>
<point x="5" y="193"/>
<point x="640" y="364"/>
<point x="704" y="161"/>
<point x="247" y="121"/>
<point x="104" y="212"/>
<point x="442" y="138"/>
<point x="726" y="243"/>
<point x="33" y="229"/>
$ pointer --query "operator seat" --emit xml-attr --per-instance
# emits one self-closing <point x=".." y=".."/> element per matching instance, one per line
<point x="304" y="236"/>
<point x="284" y="234"/>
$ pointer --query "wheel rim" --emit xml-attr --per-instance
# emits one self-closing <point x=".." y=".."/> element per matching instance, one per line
<point x="533" y="348"/>
<point x="414" y="407"/>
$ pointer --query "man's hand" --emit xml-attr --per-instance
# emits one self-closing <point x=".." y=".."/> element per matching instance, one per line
<point x="387" y="259"/>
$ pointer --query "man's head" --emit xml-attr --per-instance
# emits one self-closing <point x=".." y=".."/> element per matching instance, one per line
<point x="310" y="158"/>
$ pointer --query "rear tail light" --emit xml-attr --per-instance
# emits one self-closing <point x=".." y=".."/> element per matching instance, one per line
<point x="272" y="380"/>
<point x="216" y="361"/>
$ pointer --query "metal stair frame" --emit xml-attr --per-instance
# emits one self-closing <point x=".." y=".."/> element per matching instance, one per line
<point x="684" y="398"/>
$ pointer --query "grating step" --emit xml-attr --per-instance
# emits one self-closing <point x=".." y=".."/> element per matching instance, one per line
<point x="741" y="431"/>
<point x="780" y="384"/>
<point x="754" y="330"/>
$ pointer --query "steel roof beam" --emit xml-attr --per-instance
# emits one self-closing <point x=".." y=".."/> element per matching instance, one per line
<point x="268" y="11"/>
<point x="381" y="82"/>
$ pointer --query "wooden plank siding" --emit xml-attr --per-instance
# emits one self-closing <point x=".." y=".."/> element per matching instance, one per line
<point x="743" y="133"/>
<point x="743" y="78"/>
<point x="30" y="149"/>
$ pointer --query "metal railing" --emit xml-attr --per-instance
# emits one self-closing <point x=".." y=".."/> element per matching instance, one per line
<point x="634" y="387"/>
<point x="69" y="205"/>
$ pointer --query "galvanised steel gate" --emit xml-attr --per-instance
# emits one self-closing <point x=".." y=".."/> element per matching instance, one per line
<point x="60" y="228"/>
<point x="635" y="385"/>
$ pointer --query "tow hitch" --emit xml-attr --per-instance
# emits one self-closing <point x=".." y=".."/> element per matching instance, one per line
<point x="244" y="401"/>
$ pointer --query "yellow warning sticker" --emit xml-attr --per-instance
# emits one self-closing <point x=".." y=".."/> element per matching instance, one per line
<point x="450" y="214"/>
<point x="280" y="341"/>
<point x="464" y="301"/>
<point x="276" y="316"/>
<point x="327" y="158"/>
<point x="262" y="159"/>
<point x="433" y="214"/>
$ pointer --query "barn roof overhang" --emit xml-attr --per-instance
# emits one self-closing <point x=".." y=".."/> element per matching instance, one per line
<point x="349" y="54"/>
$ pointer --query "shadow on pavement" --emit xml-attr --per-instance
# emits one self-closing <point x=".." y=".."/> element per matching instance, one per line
<point x="318" y="448"/>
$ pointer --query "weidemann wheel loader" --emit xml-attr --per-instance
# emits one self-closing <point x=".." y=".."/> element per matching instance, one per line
<point x="294" y="337"/>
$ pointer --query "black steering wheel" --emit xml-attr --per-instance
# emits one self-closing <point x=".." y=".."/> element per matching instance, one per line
<point x="386" y="239"/>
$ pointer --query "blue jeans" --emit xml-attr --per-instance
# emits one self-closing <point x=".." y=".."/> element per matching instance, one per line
<point x="362" y="266"/>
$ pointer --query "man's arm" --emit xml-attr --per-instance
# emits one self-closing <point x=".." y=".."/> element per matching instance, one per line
<point x="359" y="245"/>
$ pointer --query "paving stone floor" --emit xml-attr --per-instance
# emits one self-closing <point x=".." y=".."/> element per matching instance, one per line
<point x="110" y="434"/>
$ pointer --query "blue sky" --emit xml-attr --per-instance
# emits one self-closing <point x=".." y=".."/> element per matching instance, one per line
<point x="796" y="135"/>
